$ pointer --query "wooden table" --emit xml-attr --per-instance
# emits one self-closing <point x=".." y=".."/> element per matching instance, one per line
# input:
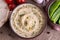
<point x="48" y="34"/>
<point x="6" y="33"/>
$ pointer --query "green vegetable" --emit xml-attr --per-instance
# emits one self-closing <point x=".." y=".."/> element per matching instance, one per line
<point x="54" y="7"/>
<point x="59" y="21"/>
<point x="56" y="15"/>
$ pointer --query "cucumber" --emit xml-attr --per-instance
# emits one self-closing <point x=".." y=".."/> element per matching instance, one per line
<point x="59" y="21"/>
<point x="53" y="7"/>
<point x="56" y="15"/>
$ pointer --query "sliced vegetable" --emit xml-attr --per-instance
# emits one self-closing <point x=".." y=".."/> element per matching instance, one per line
<point x="59" y="21"/>
<point x="53" y="7"/>
<point x="56" y="15"/>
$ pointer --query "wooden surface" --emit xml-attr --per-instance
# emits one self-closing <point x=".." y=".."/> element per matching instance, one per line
<point x="6" y="33"/>
<point x="48" y="34"/>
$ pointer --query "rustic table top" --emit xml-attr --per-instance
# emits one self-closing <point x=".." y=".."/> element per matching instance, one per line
<point x="6" y="33"/>
<point x="48" y="34"/>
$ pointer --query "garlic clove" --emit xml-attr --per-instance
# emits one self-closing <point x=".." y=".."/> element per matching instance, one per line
<point x="39" y="1"/>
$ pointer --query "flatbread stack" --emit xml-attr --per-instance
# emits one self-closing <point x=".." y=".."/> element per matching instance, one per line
<point x="4" y="12"/>
<point x="27" y="20"/>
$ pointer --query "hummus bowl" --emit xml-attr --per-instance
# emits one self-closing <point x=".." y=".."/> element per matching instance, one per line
<point x="27" y="20"/>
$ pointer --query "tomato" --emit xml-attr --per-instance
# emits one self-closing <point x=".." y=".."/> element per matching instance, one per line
<point x="20" y="1"/>
<point x="9" y="1"/>
<point x="11" y="6"/>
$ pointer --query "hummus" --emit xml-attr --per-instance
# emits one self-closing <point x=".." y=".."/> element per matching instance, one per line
<point x="27" y="20"/>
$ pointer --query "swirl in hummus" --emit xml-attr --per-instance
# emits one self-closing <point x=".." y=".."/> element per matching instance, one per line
<point x="27" y="20"/>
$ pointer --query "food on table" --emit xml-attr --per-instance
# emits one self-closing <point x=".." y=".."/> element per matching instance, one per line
<point x="54" y="7"/>
<point x="9" y="1"/>
<point x="11" y="6"/>
<point x="59" y="21"/>
<point x="54" y="12"/>
<point x="27" y="20"/>
<point x="56" y="15"/>
<point x="4" y="12"/>
<point x="20" y="1"/>
<point x="13" y="3"/>
<point x="39" y="1"/>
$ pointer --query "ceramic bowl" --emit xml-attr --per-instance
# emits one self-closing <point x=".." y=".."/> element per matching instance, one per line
<point x="54" y="26"/>
<point x="26" y="8"/>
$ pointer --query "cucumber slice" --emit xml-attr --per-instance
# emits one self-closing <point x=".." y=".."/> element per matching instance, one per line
<point x="53" y="7"/>
<point x="59" y="21"/>
<point x="56" y="15"/>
